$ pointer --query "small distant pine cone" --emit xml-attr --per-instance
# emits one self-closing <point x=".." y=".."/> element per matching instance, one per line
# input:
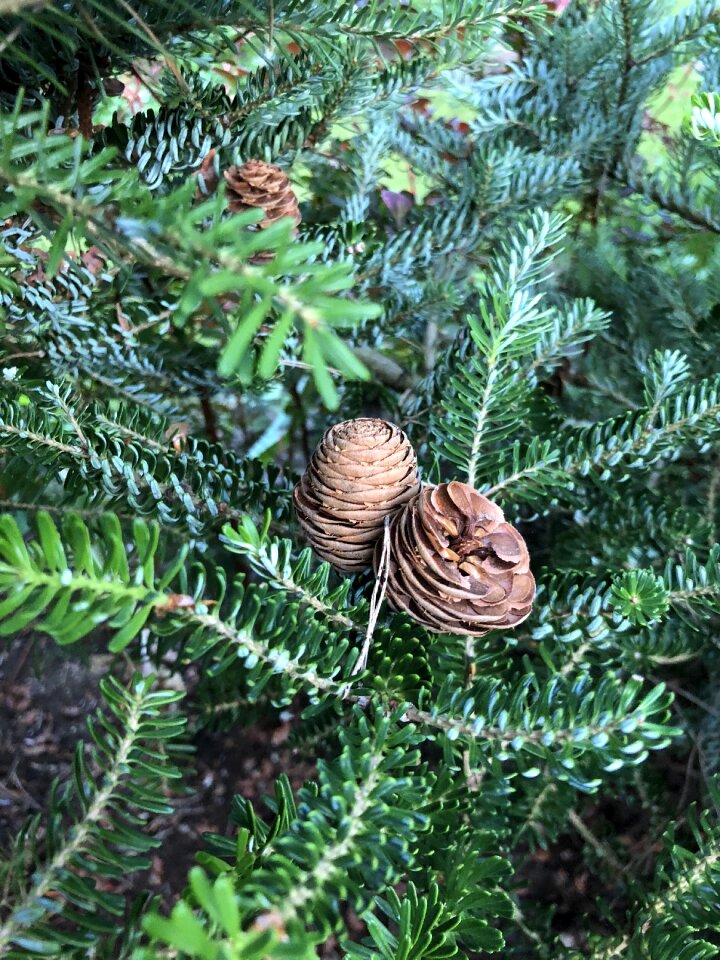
<point x="257" y="185"/>
<point x="361" y="472"/>
<point x="455" y="565"/>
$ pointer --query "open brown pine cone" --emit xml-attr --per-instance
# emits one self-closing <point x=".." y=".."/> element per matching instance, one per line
<point x="361" y="472"/>
<point x="455" y="565"/>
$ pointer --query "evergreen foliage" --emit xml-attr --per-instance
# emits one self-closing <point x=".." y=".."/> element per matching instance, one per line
<point x="509" y="246"/>
<point x="133" y="753"/>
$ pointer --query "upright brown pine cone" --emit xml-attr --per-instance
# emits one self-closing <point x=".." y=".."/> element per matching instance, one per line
<point x="455" y="565"/>
<point x="257" y="185"/>
<point x="361" y="472"/>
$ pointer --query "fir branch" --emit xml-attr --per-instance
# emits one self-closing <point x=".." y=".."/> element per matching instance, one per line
<point x="78" y="841"/>
<point x="149" y="253"/>
<point x="293" y="587"/>
<point x="637" y="441"/>
<point x="374" y="22"/>
<point x="679" y="28"/>
<point x="680" y="907"/>
<point x="481" y="417"/>
<point x="146" y="441"/>
<point x="196" y="482"/>
<point x="328" y="846"/>
<point x="533" y="470"/>
<point x="305" y="887"/>
<point x="574" y="324"/>
<point x="42" y="440"/>
<point x="533" y="820"/>
<point x="576" y="658"/>
<point x="668" y="199"/>
<point x="487" y="394"/>
<point x="130" y="774"/>
<point x="273" y="560"/>
<point x="211" y="260"/>
<point x="472" y="729"/>
<point x="90" y="512"/>
<point x="277" y="660"/>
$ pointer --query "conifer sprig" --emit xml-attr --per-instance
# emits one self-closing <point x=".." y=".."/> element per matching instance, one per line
<point x="133" y="752"/>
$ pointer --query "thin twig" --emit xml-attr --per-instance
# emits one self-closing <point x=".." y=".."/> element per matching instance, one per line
<point x="598" y="846"/>
<point x="169" y="61"/>
<point x="22" y="356"/>
<point x="302" y="419"/>
<point x="301" y="365"/>
<point x="470" y="672"/>
<point x="211" y="427"/>
<point x="73" y="422"/>
<point x="56" y="508"/>
<point x="378" y="595"/>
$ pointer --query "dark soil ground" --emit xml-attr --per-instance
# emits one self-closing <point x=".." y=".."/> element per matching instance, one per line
<point x="44" y="702"/>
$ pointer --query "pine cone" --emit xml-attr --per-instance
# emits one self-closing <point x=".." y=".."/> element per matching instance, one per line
<point x="257" y="185"/>
<point x="455" y="565"/>
<point x="361" y="472"/>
